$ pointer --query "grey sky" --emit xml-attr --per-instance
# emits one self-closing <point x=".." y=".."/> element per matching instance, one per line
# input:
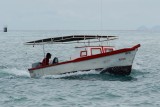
<point x="79" y="14"/>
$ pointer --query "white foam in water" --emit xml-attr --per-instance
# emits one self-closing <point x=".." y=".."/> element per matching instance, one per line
<point x="72" y="74"/>
<point x="16" y="72"/>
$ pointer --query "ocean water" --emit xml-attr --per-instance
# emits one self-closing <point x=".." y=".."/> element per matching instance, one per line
<point x="81" y="89"/>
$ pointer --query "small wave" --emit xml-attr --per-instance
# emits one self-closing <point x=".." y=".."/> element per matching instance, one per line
<point x="139" y="72"/>
<point x="3" y="67"/>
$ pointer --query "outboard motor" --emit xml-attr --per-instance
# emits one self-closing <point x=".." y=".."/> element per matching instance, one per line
<point x="55" y="60"/>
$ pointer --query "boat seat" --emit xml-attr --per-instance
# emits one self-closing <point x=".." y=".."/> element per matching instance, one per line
<point x="35" y="65"/>
<point x="55" y="60"/>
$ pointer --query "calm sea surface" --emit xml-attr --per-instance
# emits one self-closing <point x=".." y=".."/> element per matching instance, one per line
<point x="81" y="89"/>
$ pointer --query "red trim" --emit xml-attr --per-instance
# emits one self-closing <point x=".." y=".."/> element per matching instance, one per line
<point x="91" y="57"/>
<point x="105" y="50"/>
<point x="81" y="55"/>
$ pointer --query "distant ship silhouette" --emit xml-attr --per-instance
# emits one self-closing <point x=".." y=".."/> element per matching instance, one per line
<point x="5" y="29"/>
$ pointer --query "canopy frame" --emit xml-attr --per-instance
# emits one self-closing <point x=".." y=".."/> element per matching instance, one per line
<point x="72" y="39"/>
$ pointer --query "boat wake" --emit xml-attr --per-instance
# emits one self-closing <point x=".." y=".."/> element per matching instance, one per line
<point x="78" y="73"/>
<point x="91" y="76"/>
<point x="13" y="72"/>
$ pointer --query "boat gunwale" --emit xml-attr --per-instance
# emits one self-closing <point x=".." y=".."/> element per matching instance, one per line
<point x="90" y="57"/>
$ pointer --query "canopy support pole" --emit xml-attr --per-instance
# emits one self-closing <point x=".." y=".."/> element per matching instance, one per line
<point x="43" y="49"/>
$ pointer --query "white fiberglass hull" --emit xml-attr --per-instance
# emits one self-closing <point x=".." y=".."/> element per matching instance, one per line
<point x="119" y="62"/>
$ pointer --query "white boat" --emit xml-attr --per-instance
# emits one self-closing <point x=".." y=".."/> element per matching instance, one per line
<point x="99" y="58"/>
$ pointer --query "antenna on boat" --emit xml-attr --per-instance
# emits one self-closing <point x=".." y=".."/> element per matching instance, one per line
<point x="101" y="21"/>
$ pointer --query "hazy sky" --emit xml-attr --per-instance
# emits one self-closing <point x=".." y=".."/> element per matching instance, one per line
<point x="79" y="14"/>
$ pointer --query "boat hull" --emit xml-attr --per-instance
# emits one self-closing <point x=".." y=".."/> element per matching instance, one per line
<point x="118" y="70"/>
<point x="115" y="62"/>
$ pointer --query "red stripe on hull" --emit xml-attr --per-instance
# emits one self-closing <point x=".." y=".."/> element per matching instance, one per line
<point x="91" y="57"/>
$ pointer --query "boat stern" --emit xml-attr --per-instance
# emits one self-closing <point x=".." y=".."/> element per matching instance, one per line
<point x="32" y="74"/>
